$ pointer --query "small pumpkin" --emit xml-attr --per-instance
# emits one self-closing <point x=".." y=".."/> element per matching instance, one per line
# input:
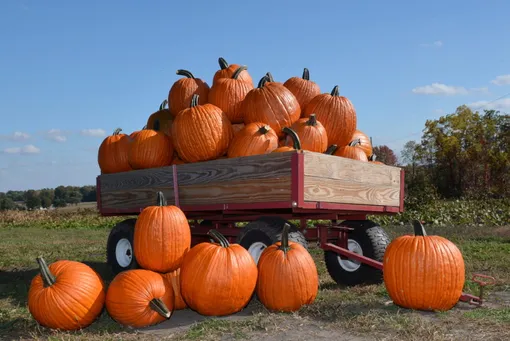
<point x="296" y="143"/>
<point x="337" y="115"/>
<point x="227" y="71"/>
<point x="253" y="139"/>
<point x="66" y="295"/>
<point x="423" y="272"/>
<point x="303" y="88"/>
<point x="365" y="142"/>
<point x="201" y="132"/>
<point x="372" y="159"/>
<point x="312" y="134"/>
<point x="229" y="93"/>
<point x="288" y="278"/>
<point x="219" y="278"/>
<point x="352" y="152"/>
<point x="161" y="120"/>
<point x="139" y="298"/>
<point x="150" y="149"/>
<point x="182" y="91"/>
<point x="173" y="282"/>
<point x="271" y="103"/>
<point x="113" y="153"/>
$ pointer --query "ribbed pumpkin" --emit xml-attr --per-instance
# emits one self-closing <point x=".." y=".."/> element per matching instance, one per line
<point x="173" y="282"/>
<point x="162" y="237"/>
<point x="218" y="279"/>
<point x="288" y="277"/>
<point x="67" y="295"/>
<point x="201" y="132"/>
<point x="303" y="88"/>
<point x="182" y="91"/>
<point x="226" y="71"/>
<point x="296" y="143"/>
<point x="150" y="149"/>
<point x="365" y="142"/>
<point x="312" y="134"/>
<point x="352" y="152"/>
<point x="253" y="139"/>
<point x="237" y="127"/>
<point x="373" y="159"/>
<point x="113" y="153"/>
<point x="271" y="103"/>
<point x="161" y="120"/>
<point x="423" y="272"/>
<point x="337" y="115"/>
<point x="229" y="93"/>
<point x="139" y="298"/>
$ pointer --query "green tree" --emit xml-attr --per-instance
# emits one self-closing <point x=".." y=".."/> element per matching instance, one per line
<point x="32" y="199"/>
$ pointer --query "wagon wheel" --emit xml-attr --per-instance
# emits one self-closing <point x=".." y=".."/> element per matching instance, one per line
<point x="367" y="239"/>
<point x="265" y="231"/>
<point x="120" y="254"/>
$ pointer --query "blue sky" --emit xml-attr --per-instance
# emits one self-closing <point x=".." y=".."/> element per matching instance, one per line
<point x="71" y="72"/>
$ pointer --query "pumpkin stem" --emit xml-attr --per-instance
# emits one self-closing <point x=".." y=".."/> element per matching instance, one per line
<point x="285" y="238"/>
<point x="117" y="131"/>
<point x="306" y="74"/>
<point x="294" y="136"/>
<point x="335" y="91"/>
<point x="312" y="121"/>
<point x="144" y="127"/>
<point x="263" y="81"/>
<point x="372" y="158"/>
<point x="354" y="142"/>
<point x="194" y="100"/>
<point x="219" y="238"/>
<point x="238" y="71"/>
<point x="270" y="77"/>
<point x="47" y="277"/>
<point x="331" y="149"/>
<point x="163" y="105"/>
<point x="156" y="126"/>
<point x="185" y="73"/>
<point x="419" y="230"/>
<point x="161" y="200"/>
<point x="160" y="307"/>
<point x="264" y="129"/>
<point x="223" y="63"/>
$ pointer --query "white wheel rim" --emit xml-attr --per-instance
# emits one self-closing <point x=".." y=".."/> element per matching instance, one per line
<point x="255" y="250"/>
<point x="124" y="252"/>
<point x="351" y="265"/>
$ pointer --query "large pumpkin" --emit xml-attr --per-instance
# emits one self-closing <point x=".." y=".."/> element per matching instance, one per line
<point x="303" y="88"/>
<point x="113" y="153"/>
<point x="253" y="139"/>
<point x="227" y="71"/>
<point x="150" y="149"/>
<point x="312" y="134"/>
<point x="296" y="143"/>
<point x="162" y="237"/>
<point x="229" y="93"/>
<point x="218" y="279"/>
<point x="337" y="115"/>
<point x="288" y="277"/>
<point x="423" y="272"/>
<point x="364" y="142"/>
<point x="173" y="282"/>
<point x="67" y="295"/>
<point x="182" y="91"/>
<point x="271" y="103"/>
<point x="201" y="132"/>
<point x="161" y="120"/>
<point x="139" y="298"/>
<point x="351" y="151"/>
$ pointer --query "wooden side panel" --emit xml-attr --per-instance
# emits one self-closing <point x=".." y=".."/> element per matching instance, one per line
<point x="340" y="180"/>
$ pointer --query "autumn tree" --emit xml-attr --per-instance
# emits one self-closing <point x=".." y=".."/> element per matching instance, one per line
<point x="386" y="155"/>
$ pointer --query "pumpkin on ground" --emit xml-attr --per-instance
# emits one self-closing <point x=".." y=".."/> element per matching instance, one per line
<point x="113" y="153"/>
<point x="303" y="88"/>
<point x="253" y="139"/>
<point x="201" y="132"/>
<point x="337" y="115"/>
<point x="296" y="143"/>
<point x="173" y="282"/>
<point x="423" y="272"/>
<point x="288" y="277"/>
<point x="161" y="120"/>
<point x="182" y="91"/>
<point x="271" y="103"/>
<point x="226" y="71"/>
<point x="352" y="152"/>
<point x="229" y="93"/>
<point x="150" y="149"/>
<point x="312" y="134"/>
<point x="66" y="295"/>
<point x="364" y="142"/>
<point x="139" y="298"/>
<point x="218" y="279"/>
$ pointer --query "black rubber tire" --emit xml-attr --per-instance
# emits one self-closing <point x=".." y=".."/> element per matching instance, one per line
<point x="373" y="241"/>
<point x="124" y="229"/>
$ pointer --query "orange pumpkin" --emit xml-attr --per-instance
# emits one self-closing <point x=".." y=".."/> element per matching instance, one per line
<point x="365" y="142"/>
<point x="113" y="153"/>
<point x="162" y="236"/>
<point x="312" y="134"/>
<point x="219" y="278"/>
<point x="372" y="159"/>
<point x="303" y="88"/>
<point x="288" y="277"/>
<point x="271" y="103"/>
<point x="237" y="127"/>
<point x="150" y="149"/>
<point x="67" y="295"/>
<point x="337" y="115"/>
<point x="172" y="281"/>
<point x="423" y="272"/>
<point x="296" y="143"/>
<point x="201" y="132"/>
<point x="253" y="139"/>
<point x="226" y="71"/>
<point x="161" y="120"/>
<point x="228" y="94"/>
<point x="139" y="298"/>
<point x="177" y="160"/>
<point x="352" y="152"/>
<point x="182" y="91"/>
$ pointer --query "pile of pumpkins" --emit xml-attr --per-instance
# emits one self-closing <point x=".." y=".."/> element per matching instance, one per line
<point x="233" y="118"/>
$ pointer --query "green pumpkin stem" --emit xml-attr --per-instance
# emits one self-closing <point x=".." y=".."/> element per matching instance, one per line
<point x="331" y="149"/>
<point x="294" y="136"/>
<point x="160" y="307"/>
<point x="185" y="73"/>
<point x="163" y="105"/>
<point x="161" y="200"/>
<point x="354" y="142"/>
<point x="117" y="131"/>
<point x="194" y="100"/>
<point x="47" y="277"/>
<point x="270" y="77"/>
<point x="306" y="74"/>
<point x="223" y="63"/>
<point x="219" y="238"/>
<point x="419" y="230"/>
<point x="264" y="129"/>
<point x="238" y="71"/>
<point x="263" y="81"/>
<point x="335" y="91"/>
<point x="285" y="239"/>
<point x="312" y="121"/>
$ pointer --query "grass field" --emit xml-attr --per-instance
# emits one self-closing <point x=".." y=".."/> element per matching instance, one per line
<point x="359" y="313"/>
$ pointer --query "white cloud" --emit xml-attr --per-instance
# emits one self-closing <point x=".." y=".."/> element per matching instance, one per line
<point x="502" y="104"/>
<point x="501" y="80"/>
<point x="28" y="149"/>
<point x="56" y="135"/>
<point x="448" y="90"/>
<point x="436" y="44"/>
<point x="93" y="132"/>
<point x="16" y="136"/>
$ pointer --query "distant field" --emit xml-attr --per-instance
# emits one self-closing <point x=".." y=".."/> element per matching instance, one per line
<point x="81" y="205"/>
